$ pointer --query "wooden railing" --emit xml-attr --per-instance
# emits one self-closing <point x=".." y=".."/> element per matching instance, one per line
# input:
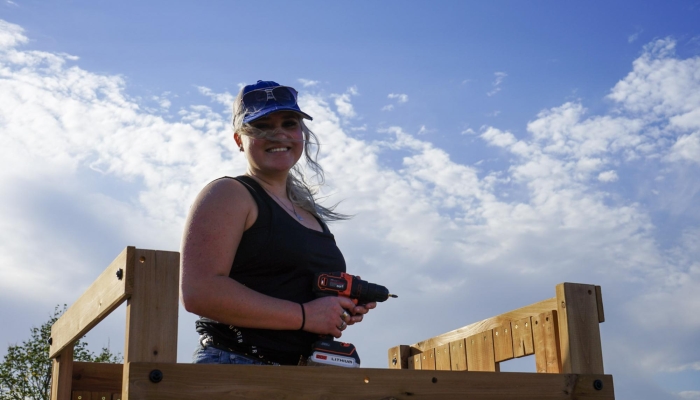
<point x="147" y="280"/>
<point x="561" y="332"/>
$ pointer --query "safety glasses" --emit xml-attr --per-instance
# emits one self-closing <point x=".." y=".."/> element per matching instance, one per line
<point x="257" y="99"/>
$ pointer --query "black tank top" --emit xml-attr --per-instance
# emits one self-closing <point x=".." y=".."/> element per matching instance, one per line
<point x="277" y="256"/>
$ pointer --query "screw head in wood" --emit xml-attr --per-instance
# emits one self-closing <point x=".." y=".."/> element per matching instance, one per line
<point x="120" y="274"/>
<point x="598" y="384"/>
<point x="155" y="376"/>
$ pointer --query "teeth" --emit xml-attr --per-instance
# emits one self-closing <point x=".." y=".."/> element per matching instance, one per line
<point x="276" y="149"/>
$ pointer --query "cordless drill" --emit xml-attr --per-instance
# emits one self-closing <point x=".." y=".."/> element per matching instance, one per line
<point x="327" y="351"/>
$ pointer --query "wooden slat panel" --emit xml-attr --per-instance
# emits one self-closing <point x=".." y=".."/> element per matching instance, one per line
<point x="102" y="377"/>
<point x="81" y="395"/>
<point x="599" y="302"/>
<point x="398" y="357"/>
<point x="546" y="342"/>
<point x="61" y="372"/>
<point x="503" y="343"/>
<point x="201" y="381"/>
<point x="577" y="311"/>
<point x="427" y="361"/>
<point x="489" y="323"/>
<point x="442" y="357"/>
<point x="480" y="355"/>
<point x="414" y="362"/>
<point x="101" y="396"/>
<point x="522" y="337"/>
<point x="105" y="294"/>
<point x="458" y="355"/>
<point x="116" y="396"/>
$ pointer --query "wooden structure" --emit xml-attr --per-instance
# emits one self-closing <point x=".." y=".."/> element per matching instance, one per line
<point x="148" y="281"/>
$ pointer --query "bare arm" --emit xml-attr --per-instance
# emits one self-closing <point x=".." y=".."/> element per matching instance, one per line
<point x="221" y="213"/>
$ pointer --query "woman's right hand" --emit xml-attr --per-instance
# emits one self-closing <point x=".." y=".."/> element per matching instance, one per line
<point x="325" y="315"/>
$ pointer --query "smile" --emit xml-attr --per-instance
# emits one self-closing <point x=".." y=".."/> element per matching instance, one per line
<point x="277" y="149"/>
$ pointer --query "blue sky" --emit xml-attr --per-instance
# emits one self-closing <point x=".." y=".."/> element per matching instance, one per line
<point x="489" y="150"/>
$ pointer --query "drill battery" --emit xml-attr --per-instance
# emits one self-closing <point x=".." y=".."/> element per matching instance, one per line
<point x="328" y="352"/>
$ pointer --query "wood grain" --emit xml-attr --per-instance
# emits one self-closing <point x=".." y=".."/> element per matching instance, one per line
<point x="458" y="355"/>
<point x="442" y="358"/>
<point x="489" y="323"/>
<point x="545" y="333"/>
<point x="61" y="372"/>
<point x="523" y="344"/>
<point x="480" y="355"/>
<point x="105" y="294"/>
<point x="579" y="333"/>
<point x="503" y="342"/>
<point x="192" y="381"/>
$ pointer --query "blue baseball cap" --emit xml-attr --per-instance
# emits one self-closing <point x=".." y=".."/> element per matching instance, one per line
<point x="265" y="97"/>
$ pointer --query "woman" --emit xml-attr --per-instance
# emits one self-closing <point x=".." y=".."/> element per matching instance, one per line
<point x="253" y="243"/>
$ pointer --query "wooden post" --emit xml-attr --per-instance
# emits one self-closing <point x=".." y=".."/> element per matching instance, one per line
<point x="398" y="357"/>
<point x="151" y="311"/>
<point x="579" y="334"/>
<point x="62" y="374"/>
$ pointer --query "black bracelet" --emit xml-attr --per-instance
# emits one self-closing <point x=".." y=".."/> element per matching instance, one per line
<point x="303" y="317"/>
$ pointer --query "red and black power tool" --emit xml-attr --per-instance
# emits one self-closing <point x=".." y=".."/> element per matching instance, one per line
<point x="327" y="351"/>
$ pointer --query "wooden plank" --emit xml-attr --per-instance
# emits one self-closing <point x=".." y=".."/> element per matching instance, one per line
<point x="579" y="333"/>
<point x="599" y="303"/>
<point x="545" y="332"/>
<point x="489" y="323"/>
<point x="442" y="358"/>
<point x="81" y="395"/>
<point x="105" y="294"/>
<point x="427" y="361"/>
<point x="102" y="377"/>
<point x="116" y="396"/>
<point x="207" y="381"/>
<point x="458" y="355"/>
<point x="151" y="311"/>
<point x="415" y="362"/>
<point x="61" y="371"/>
<point x="503" y="342"/>
<point x="522" y="337"/>
<point x="398" y="357"/>
<point x="101" y="396"/>
<point x="480" y="355"/>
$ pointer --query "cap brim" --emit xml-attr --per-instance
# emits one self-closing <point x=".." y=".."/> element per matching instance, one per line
<point x="269" y="110"/>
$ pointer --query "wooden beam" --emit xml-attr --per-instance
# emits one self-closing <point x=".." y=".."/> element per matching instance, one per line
<point x="522" y="337"/>
<point x="579" y="334"/>
<point x="458" y="355"/>
<point x="199" y="381"/>
<point x="503" y="342"/>
<point x="105" y="294"/>
<point x="442" y="358"/>
<point x="485" y="325"/>
<point x="97" y="377"/>
<point x="152" y="309"/>
<point x="61" y="372"/>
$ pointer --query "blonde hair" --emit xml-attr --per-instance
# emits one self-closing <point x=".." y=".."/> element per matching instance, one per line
<point x="300" y="192"/>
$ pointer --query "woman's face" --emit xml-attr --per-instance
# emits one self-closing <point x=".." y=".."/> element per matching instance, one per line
<point x="277" y="152"/>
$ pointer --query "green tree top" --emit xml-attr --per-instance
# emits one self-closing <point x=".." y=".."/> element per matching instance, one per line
<point x="25" y="372"/>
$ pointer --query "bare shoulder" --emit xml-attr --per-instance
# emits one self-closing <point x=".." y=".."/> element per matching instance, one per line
<point x="228" y="199"/>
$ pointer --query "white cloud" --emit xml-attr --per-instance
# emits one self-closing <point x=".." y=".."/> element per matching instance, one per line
<point x="388" y="107"/>
<point x="633" y="37"/>
<point x="500" y="77"/>
<point x="343" y="104"/>
<point x="608" y="176"/>
<point x="308" y="82"/>
<point x="225" y="99"/>
<point x="690" y="394"/>
<point x="400" y="97"/>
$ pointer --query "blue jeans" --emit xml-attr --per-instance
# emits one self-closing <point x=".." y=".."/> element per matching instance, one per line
<point x="206" y="354"/>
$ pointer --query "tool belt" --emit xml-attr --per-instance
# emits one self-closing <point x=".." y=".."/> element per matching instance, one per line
<point x="265" y="356"/>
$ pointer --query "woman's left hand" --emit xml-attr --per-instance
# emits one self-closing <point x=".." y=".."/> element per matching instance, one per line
<point x="358" y="312"/>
